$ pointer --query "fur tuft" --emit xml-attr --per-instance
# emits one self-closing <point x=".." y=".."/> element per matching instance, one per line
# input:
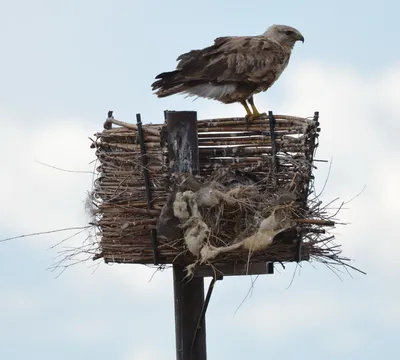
<point x="210" y="91"/>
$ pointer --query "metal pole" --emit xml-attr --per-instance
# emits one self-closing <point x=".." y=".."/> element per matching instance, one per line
<point x="183" y="157"/>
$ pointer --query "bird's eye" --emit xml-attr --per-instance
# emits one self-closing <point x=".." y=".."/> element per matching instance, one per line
<point x="289" y="32"/>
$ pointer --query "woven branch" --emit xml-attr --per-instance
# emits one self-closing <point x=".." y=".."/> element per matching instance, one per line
<point x="230" y="152"/>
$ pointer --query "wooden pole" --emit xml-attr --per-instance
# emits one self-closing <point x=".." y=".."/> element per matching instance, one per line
<point x="183" y="150"/>
<point x="189" y="301"/>
<point x="183" y="157"/>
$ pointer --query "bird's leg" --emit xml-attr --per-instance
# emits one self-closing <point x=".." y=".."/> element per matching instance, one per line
<point x="256" y="113"/>
<point x="249" y="113"/>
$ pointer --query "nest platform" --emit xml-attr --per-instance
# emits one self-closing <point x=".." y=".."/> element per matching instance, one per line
<point x="248" y="174"/>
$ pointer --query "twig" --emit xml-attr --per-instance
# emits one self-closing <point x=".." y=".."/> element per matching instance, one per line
<point x="66" y="170"/>
<point x="45" y="232"/>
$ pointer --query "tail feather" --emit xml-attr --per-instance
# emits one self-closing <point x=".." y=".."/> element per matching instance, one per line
<point x="164" y="92"/>
<point x="167" y="74"/>
<point x="169" y="83"/>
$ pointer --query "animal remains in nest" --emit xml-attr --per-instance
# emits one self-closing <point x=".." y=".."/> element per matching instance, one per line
<point x="218" y="219"/>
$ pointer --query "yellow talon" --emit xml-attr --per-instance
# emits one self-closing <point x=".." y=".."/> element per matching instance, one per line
<point x="251" y="116"/>
<point x="256" y="113"/>
<point x="249" y="113"/>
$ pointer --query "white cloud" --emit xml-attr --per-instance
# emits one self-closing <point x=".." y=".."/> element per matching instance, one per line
<point x="39" y="198"/>
<point x="145" y="352"/>
<point x="19" y="302"/>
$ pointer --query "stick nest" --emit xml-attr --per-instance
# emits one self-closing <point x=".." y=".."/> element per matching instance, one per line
<point x="254" y="196"/>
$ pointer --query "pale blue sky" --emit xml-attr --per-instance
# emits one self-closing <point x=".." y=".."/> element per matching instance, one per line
<point x="64" y="64"/>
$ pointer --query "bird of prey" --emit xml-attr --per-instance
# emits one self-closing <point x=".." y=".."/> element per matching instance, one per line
<point x="233" y="69"/>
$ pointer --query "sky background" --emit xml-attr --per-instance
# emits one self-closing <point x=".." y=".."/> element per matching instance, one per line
<point x="64" y="64"/>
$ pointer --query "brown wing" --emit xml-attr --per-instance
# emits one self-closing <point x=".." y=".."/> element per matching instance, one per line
<point x="235" y="59"/>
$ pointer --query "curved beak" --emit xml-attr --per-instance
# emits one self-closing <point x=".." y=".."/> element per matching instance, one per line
<point x="301" y="38"/>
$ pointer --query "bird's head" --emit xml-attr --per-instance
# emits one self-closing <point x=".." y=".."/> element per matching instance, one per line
<point x="284" y="35"/>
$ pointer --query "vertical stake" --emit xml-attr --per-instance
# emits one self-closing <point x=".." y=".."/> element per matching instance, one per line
<point x="183" y="157"/>
<point x="153" y="232"/>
